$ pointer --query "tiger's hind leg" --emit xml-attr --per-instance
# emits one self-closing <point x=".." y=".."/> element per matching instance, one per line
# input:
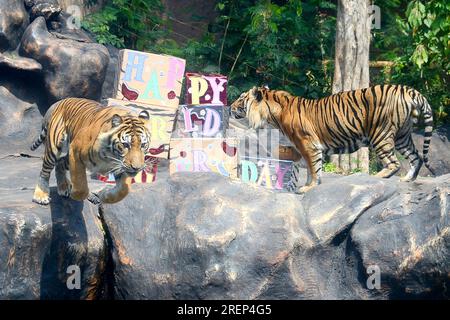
<point x="64" y="186"/>
<point x="314" y="166"/>
<point x="293" y="183"/>
<point x="408" y="150"/>
<point x="385" y="152"/>
<point x="42" y="191"/>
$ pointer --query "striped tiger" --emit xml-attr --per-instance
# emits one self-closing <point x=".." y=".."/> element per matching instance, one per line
<point x="380" y="116"/>
<point x="82" y="134"/>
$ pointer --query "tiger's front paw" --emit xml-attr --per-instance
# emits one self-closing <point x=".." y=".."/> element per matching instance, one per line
<point x="304" y="189"/>
<point x="41" y="197"/>
<point x="64" y="189"/>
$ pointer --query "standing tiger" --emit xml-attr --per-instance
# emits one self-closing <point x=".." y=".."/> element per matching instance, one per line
<point x="381" y="116"/>
<point x="82" y="134"/>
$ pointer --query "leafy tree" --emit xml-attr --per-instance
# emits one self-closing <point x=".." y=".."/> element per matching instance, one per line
<point x="416" y="38"/>
<point x="289" y="44"/>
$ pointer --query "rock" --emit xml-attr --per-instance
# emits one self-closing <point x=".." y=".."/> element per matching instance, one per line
<point x="439" y="152"/>
<point x="407" y="238"/>
<point x="198" y="241"/>
<point x="200" y="236"/>
<point x="49" y="9"/>
<point x="20" y="63"/>
<point x="328" y="216"/>
<point x="22" y="98"/>
<point x="38" y="244"/>
<point x="108" y="89"/>
<point x="71" y="68"/>
<point x="13" y="21"/>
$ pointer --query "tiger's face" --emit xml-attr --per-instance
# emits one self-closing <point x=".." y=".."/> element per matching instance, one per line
<point x="129" y="143"/>
<point x="256" y="105"/>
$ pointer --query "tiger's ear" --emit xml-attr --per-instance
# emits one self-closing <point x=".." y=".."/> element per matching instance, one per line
<point x="257" y="94"/>
<point x="116" y="120"/>
<point x="144" y="115"/>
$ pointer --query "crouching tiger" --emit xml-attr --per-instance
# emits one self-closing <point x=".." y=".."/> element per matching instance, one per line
<point x="82" y="134"/>
<point x="380" y="116"/>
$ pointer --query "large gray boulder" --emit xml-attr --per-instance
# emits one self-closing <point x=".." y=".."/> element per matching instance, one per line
<point x="22" y="99"/>
<point x="71" y="67"/>
<point x="200" y="236"/>
<point x="13" y="21"/>
<point x="39" y="245"/>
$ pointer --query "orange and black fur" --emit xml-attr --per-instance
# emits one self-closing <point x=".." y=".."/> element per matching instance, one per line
<point x="82" y="134"/>
<point x="380" y="116"/>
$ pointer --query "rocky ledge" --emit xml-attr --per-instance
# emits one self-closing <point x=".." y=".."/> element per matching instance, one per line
<point x="202" y="236"/>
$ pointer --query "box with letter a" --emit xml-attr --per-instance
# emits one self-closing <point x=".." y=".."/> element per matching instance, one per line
<point x="270" y="173"/>
<point x="149" y="78"/>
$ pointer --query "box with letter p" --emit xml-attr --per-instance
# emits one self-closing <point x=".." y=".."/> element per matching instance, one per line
<point x="206" y="89"/>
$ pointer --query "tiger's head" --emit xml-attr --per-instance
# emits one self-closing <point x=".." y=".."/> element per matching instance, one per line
<point x="127" y="143"/>
<point x="260" y="105"/>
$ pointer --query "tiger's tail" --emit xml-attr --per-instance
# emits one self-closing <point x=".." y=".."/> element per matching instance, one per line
<point x="40" y="139"/>
<point x="427" y="113"/>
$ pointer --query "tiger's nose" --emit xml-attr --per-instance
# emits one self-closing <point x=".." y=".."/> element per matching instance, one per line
<point x="136" y="168"/>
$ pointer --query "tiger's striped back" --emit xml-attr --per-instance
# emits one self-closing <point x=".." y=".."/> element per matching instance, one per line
<point x="380" y="116"/>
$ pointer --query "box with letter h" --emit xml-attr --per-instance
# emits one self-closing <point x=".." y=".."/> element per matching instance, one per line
<point x="149" y="78"/>
<point x="147" y="81"/>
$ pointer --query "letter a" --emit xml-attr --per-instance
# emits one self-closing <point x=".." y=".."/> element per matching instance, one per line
<point x="153" y="87"/>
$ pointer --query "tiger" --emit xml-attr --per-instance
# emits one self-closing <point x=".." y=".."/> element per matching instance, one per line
<point x="82" y="134"/>
<point x="379" y="116"/>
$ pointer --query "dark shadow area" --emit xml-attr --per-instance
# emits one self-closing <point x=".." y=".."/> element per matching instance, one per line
<point x="27" y="86"/>
<point x="68" y="247"/>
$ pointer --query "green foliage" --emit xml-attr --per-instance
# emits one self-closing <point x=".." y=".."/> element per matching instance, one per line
<point x="281" y="45"/>
<point x="416" y="37"/>
<point x="330" y="167"/>
<point x="284" y="44"/>
<point x="127" y="23"/>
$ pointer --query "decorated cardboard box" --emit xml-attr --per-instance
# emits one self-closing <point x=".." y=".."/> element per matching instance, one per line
<point x="204" y="155"/>
<point x="195" y="121"/>
<point x="270" y="173"/>
<point x="206" y="89"/>
<point x="149" y="78"/>
<point x="162" y="120"/>
<point x="148" y="175"/>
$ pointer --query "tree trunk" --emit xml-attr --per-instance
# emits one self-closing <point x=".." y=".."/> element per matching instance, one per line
<point x="351" y="70"/>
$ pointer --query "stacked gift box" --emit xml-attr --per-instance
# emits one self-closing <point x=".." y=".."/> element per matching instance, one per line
<point x="194" y="136"/>
<point x="199" y="142"/>
<point x="146" y="81"/>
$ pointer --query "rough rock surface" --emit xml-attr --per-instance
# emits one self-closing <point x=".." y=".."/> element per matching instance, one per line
<point x="204" y="237"/>
<point x="19" y="63"/>
<point x="48" y="9"/>
<point x="13" y="21"/>
<point x="439" y="151"/>
<point x="201" y="236"/>
<point x="22" y="100"/>
<point x="71" y="68"/>
<point x="38" y="244"/>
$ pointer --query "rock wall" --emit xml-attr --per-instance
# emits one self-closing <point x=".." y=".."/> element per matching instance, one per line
<point x="202" y="236"/>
